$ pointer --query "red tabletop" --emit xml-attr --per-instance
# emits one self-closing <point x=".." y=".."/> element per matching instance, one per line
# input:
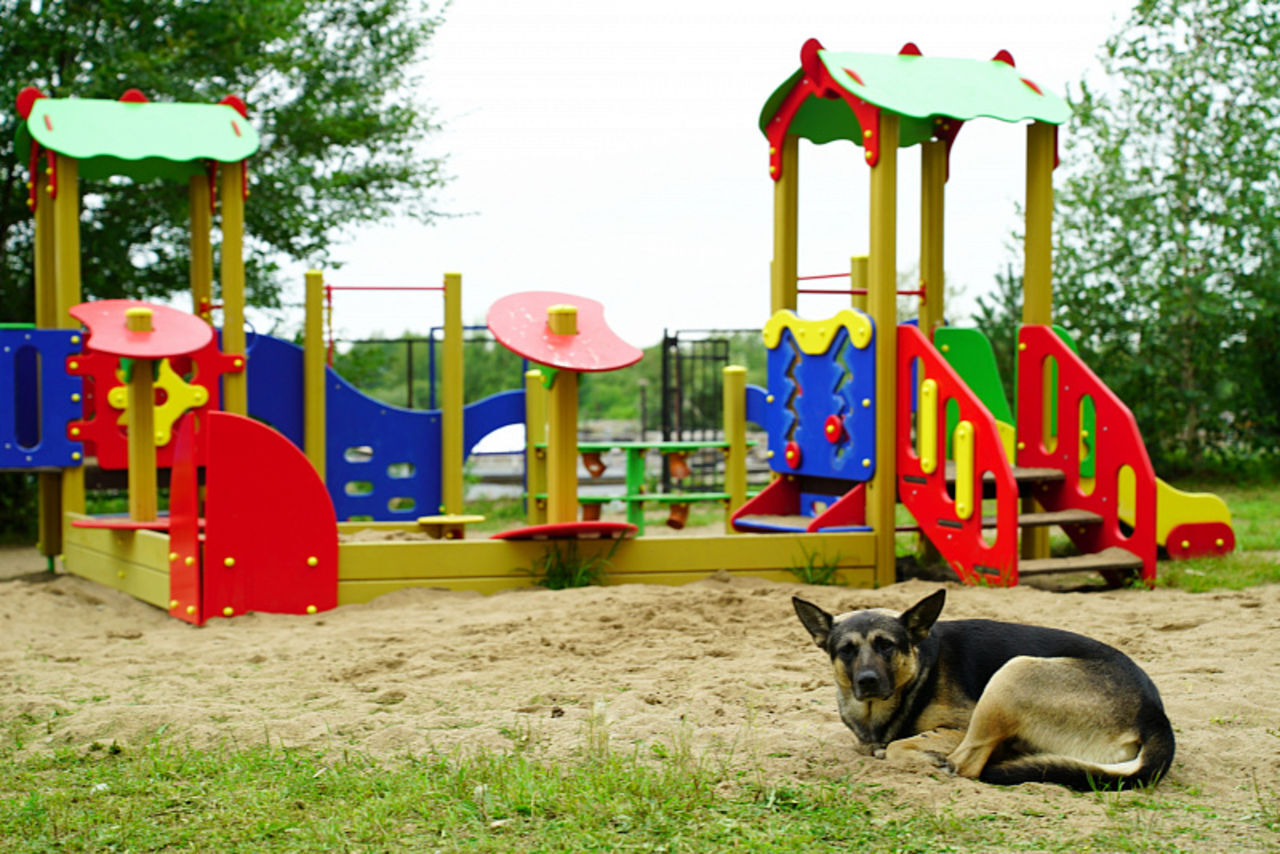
<point x="586" y="530"/>
<point x="173" y="332"/>
<point x="519" y="322"/>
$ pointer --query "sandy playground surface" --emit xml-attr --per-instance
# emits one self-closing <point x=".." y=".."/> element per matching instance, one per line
<point x="722" y="665"/>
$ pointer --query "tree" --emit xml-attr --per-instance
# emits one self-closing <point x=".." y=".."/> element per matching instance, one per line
<point x="1167" y="268"/>
<point x="329" y="84"/>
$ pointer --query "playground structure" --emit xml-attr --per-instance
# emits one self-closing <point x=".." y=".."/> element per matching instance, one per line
<point x="861" y="412"/>
<point x="1072" y="458"/>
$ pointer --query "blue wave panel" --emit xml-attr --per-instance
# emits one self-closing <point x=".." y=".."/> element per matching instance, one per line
<point x="481" y="418"/>
<point x="376" y="453"/>
<point x="36" y="399"/>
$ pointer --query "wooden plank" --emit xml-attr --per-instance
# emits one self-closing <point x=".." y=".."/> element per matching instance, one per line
<point x="133" y="562"/>
<point x="1111" y="558"/>
<point x="355" y="591"/>
<point x="510" y="559"/>
<point x="1045" y="518"/>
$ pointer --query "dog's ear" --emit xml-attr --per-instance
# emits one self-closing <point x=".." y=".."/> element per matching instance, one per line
<point x="816" y="620"/>
<point x="920" y="617"/>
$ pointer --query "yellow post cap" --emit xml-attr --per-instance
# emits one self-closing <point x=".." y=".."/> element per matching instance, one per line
<point x="138" y="319"/>
<point x="563" y="319"/>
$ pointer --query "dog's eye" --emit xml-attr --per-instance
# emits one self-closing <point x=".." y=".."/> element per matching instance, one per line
<point x="883" y="645"/>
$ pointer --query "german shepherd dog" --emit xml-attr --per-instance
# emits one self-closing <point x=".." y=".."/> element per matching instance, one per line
<point x="999" y="702"/>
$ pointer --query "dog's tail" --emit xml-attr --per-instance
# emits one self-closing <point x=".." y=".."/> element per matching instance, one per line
<point x="1151" y="763"/>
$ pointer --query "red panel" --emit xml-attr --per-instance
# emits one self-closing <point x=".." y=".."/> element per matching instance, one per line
<point x="1200" y="539"/>
<point x="959" y="540"/>
<point x="184" y="527"/>
<point x="271" y="538"/>
<point x="850" y="509"/>
<point x="519" y="322"/>
<point x="104" y="437"/>
<point x="589" y="530"/>
<point x="1117" y="444"/>
<point x="780" y="498"/>
<point x="817" y="82"/>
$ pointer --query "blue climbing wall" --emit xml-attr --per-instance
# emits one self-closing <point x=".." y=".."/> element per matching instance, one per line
<point x="807" y="391"/>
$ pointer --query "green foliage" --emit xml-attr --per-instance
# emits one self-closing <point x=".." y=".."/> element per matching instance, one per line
<point x="1168" y="263"/>
<point x="998" y="316"/>
<point x="563" y="566"/>
<point x="331" y="87"/>
<point x="380" y="368"/>
<point x="18" y="514"/>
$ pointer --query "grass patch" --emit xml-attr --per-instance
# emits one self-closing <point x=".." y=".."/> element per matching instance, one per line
<point x="164" y="797"/>
<point x="563" y="566"/>
<point x="818" y="568"/>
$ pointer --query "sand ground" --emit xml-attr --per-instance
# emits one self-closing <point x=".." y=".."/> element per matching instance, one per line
<point x="722" y="666"/>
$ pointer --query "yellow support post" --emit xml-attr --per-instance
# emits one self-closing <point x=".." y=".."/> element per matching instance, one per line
<point x="786" y="198"/>
<point x="1037" y="279"/>
<point x="451" y="398"/>
<point x="933" y="184"/>
<point x="735" y="436"/>
<point x="858" y="281"/>
<point x="535" y="451"/>
<point x="67" y="293"/>
<point x="144" y="503"/>
<point x="201" y="264"/>
<point x="882" y="301"/>
<point x="313" y="373"/>
<point x="235" y="387"/>
<point x="49" y="524"/>
<point x="562" y="448"/>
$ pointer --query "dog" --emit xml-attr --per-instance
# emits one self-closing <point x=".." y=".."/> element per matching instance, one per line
<point x="998" y="702"/>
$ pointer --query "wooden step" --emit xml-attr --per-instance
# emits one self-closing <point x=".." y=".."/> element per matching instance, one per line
<point x="1111" y="558"/>
<point x="1050" y="517"/>
<point x="1029" y="480"/>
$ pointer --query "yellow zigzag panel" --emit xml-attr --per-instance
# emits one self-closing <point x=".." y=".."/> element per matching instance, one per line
<point x="814" y="337"/>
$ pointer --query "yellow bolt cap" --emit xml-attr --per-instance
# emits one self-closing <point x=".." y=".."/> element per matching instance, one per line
<point x="191" y="609"/>
<point x="311" y="609"/>
<point x="173" y="556"/>
<point x="228" y="611"/>
<point x="313" y="561"/>
<point x="189" y="560"/>
<point x="173" y="603"/>
<point x="228" y="561"/>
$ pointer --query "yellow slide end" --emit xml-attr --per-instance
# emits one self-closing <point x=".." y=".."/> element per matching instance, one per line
<point x="1175" y="508"/>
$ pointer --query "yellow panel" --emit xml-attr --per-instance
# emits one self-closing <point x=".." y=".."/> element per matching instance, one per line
<point x="135" y="562"/>
<point x="511" y="559"/>
<point x="352" y="592"/>
<point x="814" y="337"/>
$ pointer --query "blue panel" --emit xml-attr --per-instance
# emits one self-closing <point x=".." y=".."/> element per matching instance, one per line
<point x="806" y="391"/>
<point x="368" y="444"/>
<point x="36" y="398"/>
<point x="757" y="412"/>
<point x="275" y="385"/>
<point x="481" y="418"/>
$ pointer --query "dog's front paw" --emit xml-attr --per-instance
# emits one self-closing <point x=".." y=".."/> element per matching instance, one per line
<point x="945" y="764"/>
<point x="878" y="753"/>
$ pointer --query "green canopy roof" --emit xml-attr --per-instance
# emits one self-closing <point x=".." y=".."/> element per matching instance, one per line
<point x="143" y="141"/>
<point x="919" y="89"/>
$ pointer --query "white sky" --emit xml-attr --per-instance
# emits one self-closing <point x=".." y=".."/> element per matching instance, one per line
<point x="611" y="150"/>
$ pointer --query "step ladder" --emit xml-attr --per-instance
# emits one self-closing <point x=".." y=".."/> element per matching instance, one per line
<point x="945" y="495"/>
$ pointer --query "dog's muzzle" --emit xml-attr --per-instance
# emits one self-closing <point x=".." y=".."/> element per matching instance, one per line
<point x="869" y="685"/>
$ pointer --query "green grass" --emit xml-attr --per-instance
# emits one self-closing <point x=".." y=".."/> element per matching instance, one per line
<point x="167" y="798"/>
